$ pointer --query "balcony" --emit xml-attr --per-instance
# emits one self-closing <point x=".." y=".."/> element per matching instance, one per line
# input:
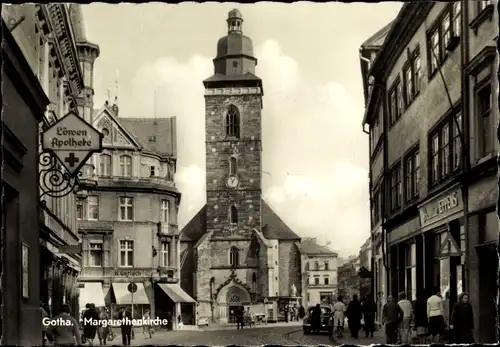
<point x="137" y="183"/>
<point x="168" y="274"/>
<point x="167" y="230"/>
<point x="95" y="225"/>
<point x="321" y="285"/>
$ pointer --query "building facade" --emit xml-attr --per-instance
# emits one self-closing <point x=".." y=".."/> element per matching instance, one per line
<point x="319" y="273"/>
<point x="44" y="36"/>
<point x="242" y="253"/>
<point x="431" y="94"/>
<point x="128" y="221"/>
<point x="366" y="275"/>
<point x="349" y="279"/>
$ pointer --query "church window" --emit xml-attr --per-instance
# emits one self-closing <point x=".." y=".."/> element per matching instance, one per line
<point x="234" y="256"/>
<point x="235" y="64"/>
<point x="233" y="122"/>
<point x="233" y="215"/>
<point x="233" y="166"/>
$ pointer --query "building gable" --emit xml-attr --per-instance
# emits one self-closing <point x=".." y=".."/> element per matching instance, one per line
<point x="115" y="135"/>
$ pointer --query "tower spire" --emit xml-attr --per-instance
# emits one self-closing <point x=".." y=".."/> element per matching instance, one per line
<point x="234" y="22"/>
<point x="115" y="103"/>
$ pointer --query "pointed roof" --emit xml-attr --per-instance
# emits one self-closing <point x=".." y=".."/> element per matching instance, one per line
<point x="309" y="246"/>
<point x="273" y="227"/>
<point x="377" y="39"/>
<point x="196" y="227"/>
<point x="157" y="135"/>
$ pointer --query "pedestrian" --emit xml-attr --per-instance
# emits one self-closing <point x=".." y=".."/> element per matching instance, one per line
<point x="405" y="326"/>
<point x="67" y="334"/>
<point x="354" y="314"/>
<point x="146" y="325"/>
<point x="369" y="312"/>
<point x="446" y="317"/>
<point x="239" y="318"/>
<point x="286" y="313"/>
<point x="435" y="315"/>
<point x="126" y="326"/>
<point x="104" y="328"/>
<point x="339" y="310"/>
<point x="462" y="320"/>
<point x="316" y="319"/>
<point x="391" y="317"/>
<point x="420" y="318"/>
<point x="90" y="324"/>
<point x="302" y="312"/>
<point x="45" y="316"/>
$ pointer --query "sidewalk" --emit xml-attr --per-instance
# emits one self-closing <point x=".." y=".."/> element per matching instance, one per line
<point x="378" y="338"/>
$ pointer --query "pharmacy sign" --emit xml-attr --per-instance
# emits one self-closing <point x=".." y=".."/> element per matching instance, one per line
<point x="72" y="140"/>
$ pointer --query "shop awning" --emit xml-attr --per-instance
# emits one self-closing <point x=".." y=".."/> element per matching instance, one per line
<point x="176" y="293"/>
<point x="91" y="293"/>
<point x="124" y="297"/>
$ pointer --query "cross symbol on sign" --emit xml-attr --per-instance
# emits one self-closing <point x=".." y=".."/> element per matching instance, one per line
<point x="71" y="159"/>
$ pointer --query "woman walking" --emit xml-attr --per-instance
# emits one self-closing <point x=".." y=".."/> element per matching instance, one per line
<point x="420" y="315"/>
<point x="462" y="320"/>
<point x="91" y="318"/>
<point x="354" y="314"/>
<point x="435" y="315"/>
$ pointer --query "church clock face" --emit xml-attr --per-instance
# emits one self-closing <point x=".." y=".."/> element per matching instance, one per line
<point x="232" y="181"/>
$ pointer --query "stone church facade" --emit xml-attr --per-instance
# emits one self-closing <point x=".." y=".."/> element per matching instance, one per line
<point x="236" y="251"/>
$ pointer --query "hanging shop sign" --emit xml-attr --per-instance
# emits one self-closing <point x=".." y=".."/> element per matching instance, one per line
<point x="72" y="140"/>
<point x="441" y="208"/>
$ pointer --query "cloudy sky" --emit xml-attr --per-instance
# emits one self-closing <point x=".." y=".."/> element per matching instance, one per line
<point x="314" y="149"/>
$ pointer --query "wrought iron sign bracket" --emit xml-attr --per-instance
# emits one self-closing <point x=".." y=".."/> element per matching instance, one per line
<point x="55" y="181"/>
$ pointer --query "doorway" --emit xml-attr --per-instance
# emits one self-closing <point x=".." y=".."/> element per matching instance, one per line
<point x="488" y="290"/>
<point x="232" y="313"/>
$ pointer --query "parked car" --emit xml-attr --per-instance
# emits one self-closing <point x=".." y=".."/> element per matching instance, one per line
<point x="326" y="320"/>
<point x="203" y="322"/>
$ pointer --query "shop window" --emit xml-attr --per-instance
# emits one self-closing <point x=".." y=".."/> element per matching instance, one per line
<point x="411" y="271"/>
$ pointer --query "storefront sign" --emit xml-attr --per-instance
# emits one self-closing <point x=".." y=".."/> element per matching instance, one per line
<point x="441" y="208"/>
<point x="73" y="141"/>
<point x="130" y="273"/>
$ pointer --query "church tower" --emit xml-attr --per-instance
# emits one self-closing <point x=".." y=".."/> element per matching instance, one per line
<point x="233" y="109"/>
<point x="87" y="54"/>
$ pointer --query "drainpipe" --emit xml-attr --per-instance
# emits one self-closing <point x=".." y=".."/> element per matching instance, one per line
<point x="465" y="86"/>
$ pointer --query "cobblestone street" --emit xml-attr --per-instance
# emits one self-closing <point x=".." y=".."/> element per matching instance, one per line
<point x="269" y="335"/>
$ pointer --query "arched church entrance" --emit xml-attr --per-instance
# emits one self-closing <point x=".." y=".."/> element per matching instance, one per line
<point x="230" y="299"/>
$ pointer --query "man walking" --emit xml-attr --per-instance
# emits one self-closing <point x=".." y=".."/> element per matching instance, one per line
<point x="391" y="317"/>
<point x="369" y="311"/>
<point x="405" y="326"/>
